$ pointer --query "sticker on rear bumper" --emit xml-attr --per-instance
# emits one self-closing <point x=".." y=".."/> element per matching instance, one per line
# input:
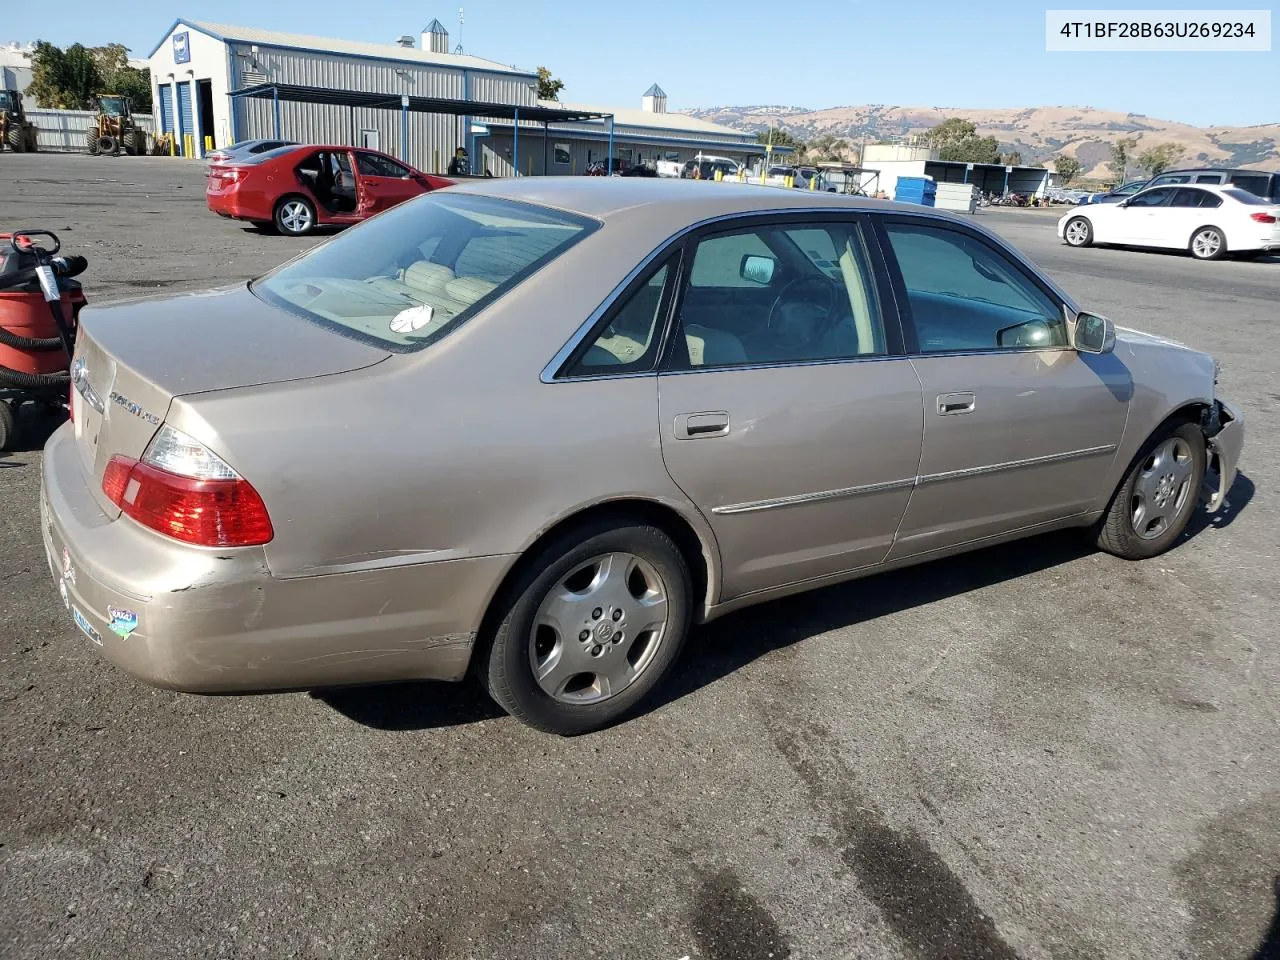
<point x="85" y="626"/>
<point x="121" y="622"/>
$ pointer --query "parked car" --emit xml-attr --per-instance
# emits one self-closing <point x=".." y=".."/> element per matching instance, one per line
<point x="1207" y="221"/>
<point x="615" y="166"/>
<point x="536" y="428"/>
<point x="707" y="167"/>
<point x="1258" y="182"/>
<point x="295" y="189"/>
<point x="1116" y="195"/>
<point x="246" y="148"/>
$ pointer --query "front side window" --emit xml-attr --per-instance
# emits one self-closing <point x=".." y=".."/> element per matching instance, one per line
<point x="1152" y="198"/>
<point x="964" y="295"/>
<point x="780" y="293"/>
<point x="411" y="275"/>
<point x="375" y="165"/>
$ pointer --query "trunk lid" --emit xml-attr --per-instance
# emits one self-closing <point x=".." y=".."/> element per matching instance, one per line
<point x="133" y="358"/>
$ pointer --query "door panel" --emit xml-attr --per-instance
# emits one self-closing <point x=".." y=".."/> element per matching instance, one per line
<point x="1035" y="444"/>
<point x="842" y="440"/>
<point x="186" y="124"/>
<point x="783" y="414"/>
<point x="1019" y="429"/>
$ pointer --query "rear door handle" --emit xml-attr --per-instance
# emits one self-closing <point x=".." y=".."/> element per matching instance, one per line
<point x="950" y="404"/>
<point x="701" y="426"/>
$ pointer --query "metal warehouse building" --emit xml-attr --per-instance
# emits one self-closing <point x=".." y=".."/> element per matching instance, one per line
<point x="215" y="84"/>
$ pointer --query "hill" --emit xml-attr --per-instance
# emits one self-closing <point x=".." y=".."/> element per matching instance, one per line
<point x="1038" y="133"/>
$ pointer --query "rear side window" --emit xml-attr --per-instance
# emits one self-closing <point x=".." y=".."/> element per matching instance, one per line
<point x="1187" y="197"/>
<point x="1255" y="183"/>
<point x="405" y="279"/>
<point x="1243" y="196"/>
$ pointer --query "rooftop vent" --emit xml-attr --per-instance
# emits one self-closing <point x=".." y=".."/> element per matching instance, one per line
<point x="654" y="100"/>
<point x="405" y="41"/>
<point x="435" y="37"/>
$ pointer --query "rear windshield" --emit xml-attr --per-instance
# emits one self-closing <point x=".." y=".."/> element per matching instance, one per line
<point x="1244" y="196"/>
<point x="250" y="159"/>
<point x="409" y="276"/>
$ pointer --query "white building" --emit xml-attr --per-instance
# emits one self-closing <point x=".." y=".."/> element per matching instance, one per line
<point x="15" y="68"/>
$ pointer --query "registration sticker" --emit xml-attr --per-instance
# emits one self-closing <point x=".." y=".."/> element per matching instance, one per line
<point x="85" y="626"/>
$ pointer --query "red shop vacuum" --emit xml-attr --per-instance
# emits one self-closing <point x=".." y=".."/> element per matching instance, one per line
<point x="39" y="313"/>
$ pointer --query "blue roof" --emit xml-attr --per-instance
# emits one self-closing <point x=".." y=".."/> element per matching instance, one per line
<point x="655" y="91"/>
<point x="435" y="26"/>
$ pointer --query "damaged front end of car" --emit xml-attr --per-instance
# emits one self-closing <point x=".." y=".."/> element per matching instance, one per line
<point x="1223" y="427"/>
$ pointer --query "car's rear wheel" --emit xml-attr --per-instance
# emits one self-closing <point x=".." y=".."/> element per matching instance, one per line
<point x="1208" y="243"/>
<point x="590" y="628"/>
<point x="1078" y="232"/>
<point x="1158" y="495"/>
<point x="295" y="216"/>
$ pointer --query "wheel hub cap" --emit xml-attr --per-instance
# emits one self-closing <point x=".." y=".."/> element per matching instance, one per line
<point x="1162" y="488"/>
<point x="598" y="629"/>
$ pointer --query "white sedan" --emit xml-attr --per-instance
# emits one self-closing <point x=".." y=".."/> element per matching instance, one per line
<point x="1209" y="221"/>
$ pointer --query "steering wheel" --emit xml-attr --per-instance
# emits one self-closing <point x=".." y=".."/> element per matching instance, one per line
<point x="796" y="319"/>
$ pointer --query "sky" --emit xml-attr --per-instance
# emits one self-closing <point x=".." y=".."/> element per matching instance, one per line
<point x="703" y="54"/>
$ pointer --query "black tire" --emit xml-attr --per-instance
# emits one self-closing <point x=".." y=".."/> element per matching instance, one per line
<point x="8" y="425"/>
<point x="138" y="137"/>
<point x="16" y="139"/>
<point x="1085" y="235"/>
<point x="290" y="227"/>
<point x="504" y="659"/>
<point x="1116" y="532"/>
<point x="1203" y="246"/>
<point x="91" y="142"/>
<point x="33" y="140"/>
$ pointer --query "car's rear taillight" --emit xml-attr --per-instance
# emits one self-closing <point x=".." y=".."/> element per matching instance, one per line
<point x="1263" y="217"/>
<point x="183" y="490"/>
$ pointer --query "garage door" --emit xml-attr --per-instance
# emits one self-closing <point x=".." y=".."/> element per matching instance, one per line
<point x="166" y="108"/>
<point x="186" y="127"/>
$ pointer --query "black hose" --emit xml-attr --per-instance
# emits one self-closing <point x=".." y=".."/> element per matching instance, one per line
<point x="33" y="381"/>
<point x="35" y="344"/>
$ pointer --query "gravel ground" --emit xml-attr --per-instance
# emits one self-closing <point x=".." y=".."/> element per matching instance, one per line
<point x="1035" y="751"/>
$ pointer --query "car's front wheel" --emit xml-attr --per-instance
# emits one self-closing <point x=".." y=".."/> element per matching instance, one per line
<point x="1208" y="243"/>
<point x="1078" y="232"/>
<point x="591" y="627"/>
<point x="1158" y="495"/>
<point x="295" y="216"/>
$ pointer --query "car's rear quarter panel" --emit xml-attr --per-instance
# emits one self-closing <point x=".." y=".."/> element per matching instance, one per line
<point x="454" y="452"/>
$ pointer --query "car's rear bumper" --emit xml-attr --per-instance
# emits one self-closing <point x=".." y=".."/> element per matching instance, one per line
<point x="226" y="205"/>
<point x="216" y="621"/>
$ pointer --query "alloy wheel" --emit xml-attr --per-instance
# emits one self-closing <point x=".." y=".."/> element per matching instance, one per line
<point x="295" y="216"/>
<point x="1206" y="244"/>
<point x="1162" y="488"/>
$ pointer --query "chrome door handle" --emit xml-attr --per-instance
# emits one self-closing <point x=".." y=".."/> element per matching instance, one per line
<point x="700" y="426"/>
<point x="950" y="404"/>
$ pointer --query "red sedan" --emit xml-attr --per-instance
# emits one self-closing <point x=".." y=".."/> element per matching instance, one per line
<point x="296" y="188"/>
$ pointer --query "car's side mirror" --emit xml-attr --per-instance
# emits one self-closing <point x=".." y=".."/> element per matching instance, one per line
<point x="757" y="268"/>
<point x="1093" y="334"/>
<point x="1033" y="333"/>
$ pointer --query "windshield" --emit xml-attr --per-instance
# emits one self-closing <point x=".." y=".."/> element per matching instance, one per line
<point x="408" y="277"/>
<point x="113" y="106"/>
<point x="4" y="100"/>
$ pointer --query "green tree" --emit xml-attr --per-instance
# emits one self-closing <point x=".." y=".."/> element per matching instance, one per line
<point x="1120" y="157"/>
<point x="779" y="138"/>
<point x="63" y="79"/>
<point x="548" y="86"/>
<point x="118" y="77"/>
<point x="957" y="139"/>
<point x="1068" y="168"/>
<point x="1160" y="158"/>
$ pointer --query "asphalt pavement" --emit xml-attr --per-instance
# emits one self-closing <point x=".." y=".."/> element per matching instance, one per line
<point x="1036" y="751"/>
